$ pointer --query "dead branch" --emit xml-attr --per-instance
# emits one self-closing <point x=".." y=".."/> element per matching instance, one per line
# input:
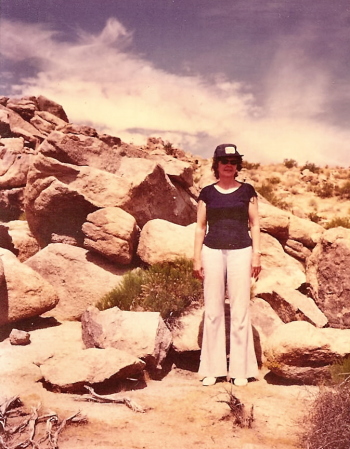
<point x="115" y="399"/>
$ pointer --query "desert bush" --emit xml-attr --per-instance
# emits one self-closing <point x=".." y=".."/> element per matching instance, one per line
<point x="250" y="165"/>
<point x="238" y="414"/>
<point x="328" y="422"/>
<point x="267" y="191"/>
<point x="340" y="371"/>
<point x="273" y="180"/>
<point x="290" y="163"/>
<point x="344" y="190"/>
<point x="312" y="167"/>
<point x="338" y="221"/>
<point x="325" y="190"/>
<point x="168" y="288"/>
<point x="313" y="216"/>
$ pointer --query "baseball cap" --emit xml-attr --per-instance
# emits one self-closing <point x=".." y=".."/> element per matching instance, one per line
<point x="225" y="150"/>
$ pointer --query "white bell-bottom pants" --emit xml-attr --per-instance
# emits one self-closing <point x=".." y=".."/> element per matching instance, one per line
<point x="231" y="268"/>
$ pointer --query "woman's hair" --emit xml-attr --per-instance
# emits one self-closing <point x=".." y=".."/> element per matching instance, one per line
<point x="215" y="166"/>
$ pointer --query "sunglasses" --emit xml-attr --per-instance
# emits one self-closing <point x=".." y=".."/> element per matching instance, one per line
<point x="225" y="161"/>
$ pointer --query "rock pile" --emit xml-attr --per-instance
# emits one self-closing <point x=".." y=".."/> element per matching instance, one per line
<point x="95" y="206"/>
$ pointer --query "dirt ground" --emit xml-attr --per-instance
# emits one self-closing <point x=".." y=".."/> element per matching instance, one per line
<point x="183" y="413"/>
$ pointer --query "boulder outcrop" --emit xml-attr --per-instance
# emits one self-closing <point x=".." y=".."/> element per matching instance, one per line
<point x="79" y="277"/>
<point x="23" y="292"/>
<point x="328" y="275"/>
<point x="301" y="352"/>
<point x="143" y="334"/>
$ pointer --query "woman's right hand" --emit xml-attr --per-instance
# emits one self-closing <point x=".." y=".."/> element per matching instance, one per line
<point x="198" y="271"/>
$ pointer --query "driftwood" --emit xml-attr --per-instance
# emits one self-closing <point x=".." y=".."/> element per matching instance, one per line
<point x="114" y="398"/>
<point x="22" y="435"/>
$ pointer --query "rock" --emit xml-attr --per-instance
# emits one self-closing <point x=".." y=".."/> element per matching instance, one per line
<point x="328" y="274"/>
<point x="79" y="277"/>
<point x="17" y="238"/>
<point x="18" y="337"/>
<point x="14" y="163"/>
<point x="13" y="125"/>
<point x="297" y="250"/>
<point x="278" y="267"/>
<point x="19" y="365"/>
<point x="153" y="195"/>
<point x="25" y="107"/>
<point x="274" y="221"/>
<point x="80" y="149"/>
<point x="291" y="305"/>
<point x="113" y="233"/>
<point x="304" y="231"/>
<point x="11" y="203"/>
<point x="143" y="334"/>
<point x="304" y="353"/>
<point x="178" y="171"/>
<point x="91" y="366"/>
<point x="187" y="335"/>
<point x="53" y="108"/>
<point x="162" y="241"/>
<point x="46" y="122"/>
<point x="23" y="292"/>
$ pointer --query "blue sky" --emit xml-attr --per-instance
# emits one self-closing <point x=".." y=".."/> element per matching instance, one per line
<point x="271" y="76"/>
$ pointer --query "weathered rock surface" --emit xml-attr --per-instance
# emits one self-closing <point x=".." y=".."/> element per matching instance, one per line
<point x="113" y="233"/>
<point x="15" y="160"/>
<point x="23" y="292"/>
<point x="278" y="267"/>
<point x="11" y="203"/>
<point x="18" y="337"/>
<point x="79" y="277"/>
<point x="161" y="241"/>
<point x="148" y="336"/>
<point x="187" y="335"/>
<point x="328" y="275"/>
<point x="291" y="305"/>
<point x="302" y="352"/>
<point x="17" y="238"/>
<point x="143" y="334"/>
<point x="91" y="366"/>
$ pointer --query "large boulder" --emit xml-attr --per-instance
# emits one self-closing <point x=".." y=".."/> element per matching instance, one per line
<point x="91" y="366"/>
<point x="113" y="233"/>
<point x="187" y="335"/>
<point x="46" y="122"/>
<point x="79" y="277"/>
<point x="292" y="305"/>
<point x="143" y="334"/>
<point x="15" y="160"/>
<point x="11" y="203"/>
<point x="328" y="275"/>
<point x="278" y="267"/>
<point x="274" y="221"/>
<point x="45" y="104"/>
<point x="162" y="241"/>
<point x="16" y="237"/>
<point x="301" y="352"/>
<point x="80" y="149"/>
<point x="23" y="292"/>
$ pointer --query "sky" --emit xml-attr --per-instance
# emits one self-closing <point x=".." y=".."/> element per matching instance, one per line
<point x="271" y="76"/>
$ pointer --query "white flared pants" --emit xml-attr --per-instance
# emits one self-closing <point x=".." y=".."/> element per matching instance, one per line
<point x="231" y="268"/>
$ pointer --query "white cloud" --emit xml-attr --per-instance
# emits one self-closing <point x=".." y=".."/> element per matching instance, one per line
<point x="98" y="80"/>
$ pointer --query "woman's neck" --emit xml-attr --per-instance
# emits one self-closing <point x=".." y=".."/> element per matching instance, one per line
<point x="227" y="184"/>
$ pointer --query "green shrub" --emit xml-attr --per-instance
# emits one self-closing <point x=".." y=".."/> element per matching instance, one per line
<point x="168" y="288"/>
<point x="267" y="191"/>
<point x="338" y="221"/>
<point x="290" y="163"/>
<point x="328" y="422"/>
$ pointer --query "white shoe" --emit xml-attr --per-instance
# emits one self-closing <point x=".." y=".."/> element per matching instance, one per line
<point x="240" y="382"/>
<point x="208" y="381"/>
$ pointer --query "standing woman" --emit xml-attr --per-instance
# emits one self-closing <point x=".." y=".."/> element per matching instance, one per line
<point x="226" y="254"/>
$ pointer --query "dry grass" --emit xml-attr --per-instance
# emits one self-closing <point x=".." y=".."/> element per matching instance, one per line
<point x="238" y="413"/>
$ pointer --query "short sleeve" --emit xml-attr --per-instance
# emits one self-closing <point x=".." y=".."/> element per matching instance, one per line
<point x="203" y="195"/>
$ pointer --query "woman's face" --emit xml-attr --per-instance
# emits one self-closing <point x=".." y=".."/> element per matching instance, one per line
<point x="227" y="167"/>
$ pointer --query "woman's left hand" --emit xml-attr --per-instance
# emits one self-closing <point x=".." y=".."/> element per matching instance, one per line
<point x="256" y="265"/>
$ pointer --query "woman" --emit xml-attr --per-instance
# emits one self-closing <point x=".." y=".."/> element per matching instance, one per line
<point x="226" y="254"/>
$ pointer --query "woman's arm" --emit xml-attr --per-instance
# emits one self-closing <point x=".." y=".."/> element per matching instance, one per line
<point x="200" y="231"/>
<point x="255" y="234"/>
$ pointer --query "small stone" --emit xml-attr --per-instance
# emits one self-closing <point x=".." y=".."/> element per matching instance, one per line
<point x="18" y="337"/>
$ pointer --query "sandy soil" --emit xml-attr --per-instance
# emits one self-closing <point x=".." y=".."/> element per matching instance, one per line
<point x="183" y="413"/>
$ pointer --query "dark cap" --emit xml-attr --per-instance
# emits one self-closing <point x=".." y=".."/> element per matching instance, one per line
<point x="227" y="149"/>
